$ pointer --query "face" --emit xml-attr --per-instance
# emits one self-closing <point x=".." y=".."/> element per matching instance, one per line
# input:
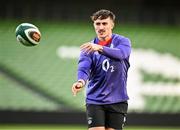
<point x="103" y="28"/>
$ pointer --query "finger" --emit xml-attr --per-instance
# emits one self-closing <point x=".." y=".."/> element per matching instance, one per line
<point x="87" y="49"/>
<point x="76" y="88"/>
<point x="74" y="94"/>
<point x="85" y="46"/>
<point x="74" y="91"/>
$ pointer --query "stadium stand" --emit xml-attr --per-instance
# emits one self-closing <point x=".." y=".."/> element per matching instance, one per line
<point x="35" y="78"/>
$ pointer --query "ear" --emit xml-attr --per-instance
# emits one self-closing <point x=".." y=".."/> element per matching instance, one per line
<point x="112" y="25"/>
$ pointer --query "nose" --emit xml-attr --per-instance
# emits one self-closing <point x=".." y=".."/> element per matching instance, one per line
<point x="101" y="26"/>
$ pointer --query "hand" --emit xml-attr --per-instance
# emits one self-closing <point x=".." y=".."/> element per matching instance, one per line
<point x="77" y="86"/>
<point x="91" y="47"/>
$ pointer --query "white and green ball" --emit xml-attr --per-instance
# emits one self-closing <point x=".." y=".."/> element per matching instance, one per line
<point x="28" y="34"/>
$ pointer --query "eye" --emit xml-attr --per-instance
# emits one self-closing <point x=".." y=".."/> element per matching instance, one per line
<point x="104" y="23"/>
<point x="98" y="24"/>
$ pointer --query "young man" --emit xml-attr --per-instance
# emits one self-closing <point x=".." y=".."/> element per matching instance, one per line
<point x="103" y="66"/>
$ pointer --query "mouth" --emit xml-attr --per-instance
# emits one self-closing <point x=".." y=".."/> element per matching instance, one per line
<point x="101" y="32"/>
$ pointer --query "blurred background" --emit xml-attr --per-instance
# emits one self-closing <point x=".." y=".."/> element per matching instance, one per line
<point x="35" y="82"/>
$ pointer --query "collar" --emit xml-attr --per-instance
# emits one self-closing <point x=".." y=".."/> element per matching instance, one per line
<point x="104" y="43"/>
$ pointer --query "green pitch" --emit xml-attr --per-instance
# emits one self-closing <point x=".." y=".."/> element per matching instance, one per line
<point x="59" y="127"/>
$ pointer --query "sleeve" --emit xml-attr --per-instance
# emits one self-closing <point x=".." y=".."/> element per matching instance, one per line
<point x="84" y="66"/>
<point x="121" y="51"/>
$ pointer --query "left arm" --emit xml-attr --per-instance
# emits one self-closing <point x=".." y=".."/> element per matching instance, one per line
<point x="122" y="51"/>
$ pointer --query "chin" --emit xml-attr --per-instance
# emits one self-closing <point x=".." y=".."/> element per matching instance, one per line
<point x="103" y="37"/>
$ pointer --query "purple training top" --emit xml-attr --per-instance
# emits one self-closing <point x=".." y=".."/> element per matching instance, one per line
<point x="106" y="72"/>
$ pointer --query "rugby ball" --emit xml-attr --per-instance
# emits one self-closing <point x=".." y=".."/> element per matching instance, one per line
<point x="28" y="34"/>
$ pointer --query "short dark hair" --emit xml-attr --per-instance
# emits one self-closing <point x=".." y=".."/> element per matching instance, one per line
<point x="103" y="14"/>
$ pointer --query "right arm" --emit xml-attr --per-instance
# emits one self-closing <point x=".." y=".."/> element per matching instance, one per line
<point x="83" y="71"/>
